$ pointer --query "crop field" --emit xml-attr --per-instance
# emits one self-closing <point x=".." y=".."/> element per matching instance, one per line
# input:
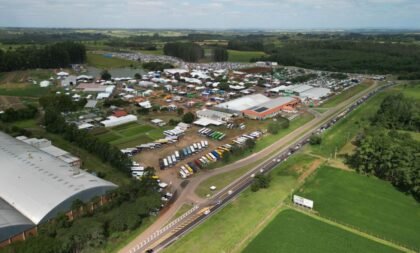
<point x="130" y="135"/>
<point x="366" y="203"/>
<point x="291" y="231"/>
<point x="100" y="61"/>
<point x="225" y="231"/>
<point x="243" y="56"/>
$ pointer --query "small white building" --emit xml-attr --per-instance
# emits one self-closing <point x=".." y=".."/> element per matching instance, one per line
<point x="44" y="84"/>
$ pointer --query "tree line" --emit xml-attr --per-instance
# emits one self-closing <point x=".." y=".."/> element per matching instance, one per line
<point x="383" y="151"/>
<point x="55" y="123"/>
<point x="187" y="51"/>
<point x="57" y="55"/>
<point x="11" y="114"/>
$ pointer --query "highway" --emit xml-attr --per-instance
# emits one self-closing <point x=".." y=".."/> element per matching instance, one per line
<point x="182" y="225"/>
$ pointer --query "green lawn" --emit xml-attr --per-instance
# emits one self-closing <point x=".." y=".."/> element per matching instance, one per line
<point x="335" y="100"/>
<point x="102" y="62"/>
<point x="31" y="90"/>
<point x="223" y="231"/>
<point x="292" y="231"/>
<point x="369" y="204"/>
<point x="243" y="56"/>
<point x="130" y="135"/>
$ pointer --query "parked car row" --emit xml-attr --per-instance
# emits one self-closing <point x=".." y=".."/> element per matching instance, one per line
<point x="242" y="139"/>
<point x="179" y="155"/>
<point x="190" y="168"/>
<point x="215" y="135"/>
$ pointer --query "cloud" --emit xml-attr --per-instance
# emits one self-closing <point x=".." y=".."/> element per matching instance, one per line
<point x="211" y="13"/>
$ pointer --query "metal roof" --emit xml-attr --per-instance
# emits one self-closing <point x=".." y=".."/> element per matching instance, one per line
<point x="244" y="103"/>
<point x="39" y="185"/>
<point x="11" y="221"/>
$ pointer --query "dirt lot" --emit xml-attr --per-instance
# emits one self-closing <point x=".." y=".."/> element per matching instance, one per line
<point x="7" y="102"/>
<point x="150" y="157"/>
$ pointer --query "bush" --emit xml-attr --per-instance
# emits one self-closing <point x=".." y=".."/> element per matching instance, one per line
<point x="188" y="118"/>
<point x="315" y="139"/>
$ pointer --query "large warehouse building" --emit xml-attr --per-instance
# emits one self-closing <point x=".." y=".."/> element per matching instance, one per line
<point x="258" y="106"/>
<point x="35" y="186"/>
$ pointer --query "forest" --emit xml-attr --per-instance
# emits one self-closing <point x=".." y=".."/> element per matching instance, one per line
<point x="350" y="56"/>
<point x="382" y="150"/>
<point x="60" y="54"/>
<point x="188" y="51"/>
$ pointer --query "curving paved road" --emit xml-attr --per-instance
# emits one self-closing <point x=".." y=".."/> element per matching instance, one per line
<point x="188" y="195"/>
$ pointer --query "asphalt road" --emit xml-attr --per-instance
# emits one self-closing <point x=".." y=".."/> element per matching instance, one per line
<point x="157" y="236"/>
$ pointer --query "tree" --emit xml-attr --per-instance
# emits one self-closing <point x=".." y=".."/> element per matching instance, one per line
<point x="315" y="139"/>
<point x="250" y="144"/>
<point x="187" y="51"/>
<point x="260" y="181"/>
<point x="105" y="75"/>
<point x="188" y="118"/>
<point x="220" y="54"/>
<point x="180" y="111"/>
<point x="137" y="76"/>
<point x="223" y="85"/>
<point x="226" y="157"/>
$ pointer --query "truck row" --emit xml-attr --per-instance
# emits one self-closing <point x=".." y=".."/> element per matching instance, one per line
<point x="215" y="135"/>
<point x="179" y="155"/>
<point x="190" y="168"/>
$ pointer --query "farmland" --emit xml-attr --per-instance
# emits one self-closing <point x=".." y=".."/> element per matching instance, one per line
<point x="291" y="231"/>
<point x="237" y="220"/>
<point x="366" y="203"/>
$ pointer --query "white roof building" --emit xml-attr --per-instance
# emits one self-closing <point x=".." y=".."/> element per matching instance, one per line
<point x="243" y="103"/>
<point x="35" y="186"/>
<point x="316" y="93"/>
<point x="116" y="121"/>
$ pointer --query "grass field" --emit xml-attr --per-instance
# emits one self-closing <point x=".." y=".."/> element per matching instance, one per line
<point x="226" y="230"/>
<point x="29" y="90"/>
<point x="100" y="61"/>
<point x="292" y="231"/>
<point x="131" y="134"/>
<point x="366" y="203"/>
<point x="243" y="56"/>
<point x="410" y="90"/>
<point x="153" y="52"/>
<point x="335" y="100"/>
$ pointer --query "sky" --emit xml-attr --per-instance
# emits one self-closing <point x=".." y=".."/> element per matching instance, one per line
<point x="212" y="14"/>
